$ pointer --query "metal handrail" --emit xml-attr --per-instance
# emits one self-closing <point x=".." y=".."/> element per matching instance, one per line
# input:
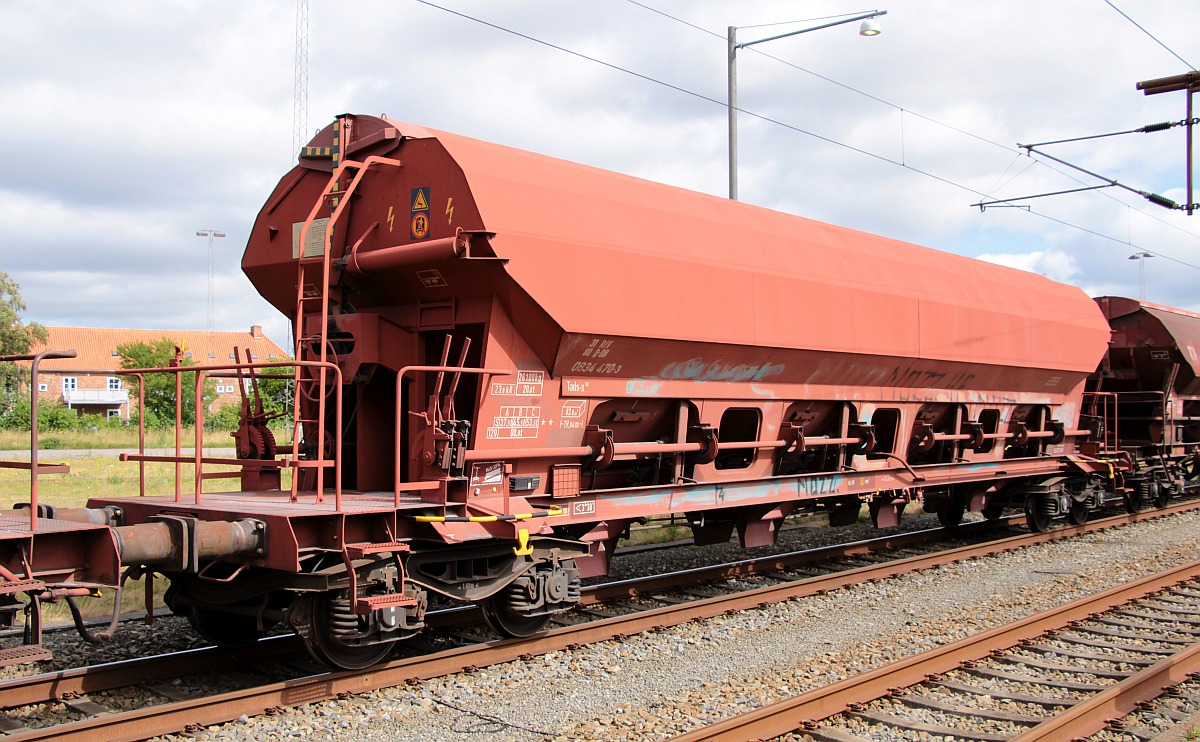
<point x="33" y="421"/>
<point x="197" y="458"/>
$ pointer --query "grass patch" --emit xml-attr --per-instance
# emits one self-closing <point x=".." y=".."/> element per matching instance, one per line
<point x="657" y="533"/>
<point x="18" y="440"/>
<point x="102" y="476"/>
<point x="133" y="599"/>
<point x="106" y="477"/>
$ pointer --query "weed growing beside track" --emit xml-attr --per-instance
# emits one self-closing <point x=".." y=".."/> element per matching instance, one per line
<point x="102" y="437"/>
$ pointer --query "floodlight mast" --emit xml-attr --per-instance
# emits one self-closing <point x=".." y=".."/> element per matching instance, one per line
<point x="870" y="27"/>
<point x="210" y="234"/>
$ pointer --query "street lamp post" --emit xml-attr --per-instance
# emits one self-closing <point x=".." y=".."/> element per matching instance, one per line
<point x="211" y="234"/>
<point x="1141" y="257"/>
<point x="869" y="27"/>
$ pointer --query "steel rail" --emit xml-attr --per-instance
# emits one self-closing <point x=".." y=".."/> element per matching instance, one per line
<point x="778" y="562"/>
<point x="51" y="686"/>
<point x="1091" y="716"/>
<point x="173" y="717"/>
<point x="806" y="709"/>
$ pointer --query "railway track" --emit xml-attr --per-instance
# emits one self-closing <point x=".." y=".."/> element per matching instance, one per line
<point x="610" y="610"/>
<point x="1061" y="674"/>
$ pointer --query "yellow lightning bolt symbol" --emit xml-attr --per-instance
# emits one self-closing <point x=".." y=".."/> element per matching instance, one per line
<point x="450" y="211"/>
<point x="391" y="219"/>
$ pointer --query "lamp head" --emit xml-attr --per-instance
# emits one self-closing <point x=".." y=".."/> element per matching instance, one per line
<point x="870" y="27"/>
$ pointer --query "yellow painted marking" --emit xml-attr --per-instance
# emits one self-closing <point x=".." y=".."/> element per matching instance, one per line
<point x="419" y="202"/>
<point x="391" y="219"/>
<point x="525" y="548"/>
<point x="450" y="210"/>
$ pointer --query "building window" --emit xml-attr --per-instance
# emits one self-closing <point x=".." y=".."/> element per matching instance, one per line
<point x="114" y="384"/>
<point x="43" y="387"/>
<point x="110" y="414"/>
<point x="115" y="354"/>
<point x="70" y="383"/>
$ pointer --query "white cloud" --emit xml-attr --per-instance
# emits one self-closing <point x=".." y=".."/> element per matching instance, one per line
<point x="134" y="123"/>
<point x="1052" y="264"/>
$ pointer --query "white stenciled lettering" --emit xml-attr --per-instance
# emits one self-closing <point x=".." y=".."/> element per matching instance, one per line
<point x="516" y="421"/>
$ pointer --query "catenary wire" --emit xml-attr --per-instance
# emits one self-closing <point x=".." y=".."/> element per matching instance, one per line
<point x="951" y="127"/>
<point x="1189" y="65"/>
<point x="806" y="132"/>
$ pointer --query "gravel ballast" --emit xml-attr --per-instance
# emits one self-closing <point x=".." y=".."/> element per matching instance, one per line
<point x="657" y="685"/>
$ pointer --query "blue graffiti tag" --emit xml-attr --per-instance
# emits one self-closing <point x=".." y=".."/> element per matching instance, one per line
<point x="697" y="369"/>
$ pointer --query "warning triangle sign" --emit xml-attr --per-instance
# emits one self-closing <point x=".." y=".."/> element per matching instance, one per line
<point x="420" y="200"/>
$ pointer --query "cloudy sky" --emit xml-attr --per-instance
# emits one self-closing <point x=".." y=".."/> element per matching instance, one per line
<point x="132" y="124"/>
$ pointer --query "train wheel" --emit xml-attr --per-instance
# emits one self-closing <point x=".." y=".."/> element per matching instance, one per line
<point x="1162" y="495"/>
<point x="1135" y="499"/>
<point x="501" y="612"/>
<point x="1038" y="512"/>
<point x="993" y="511"/>
<point x="229" y="630"/>
<point x="331" y="618"/>
<point x="952" y="514"/>
<point x="1078" y="513"/>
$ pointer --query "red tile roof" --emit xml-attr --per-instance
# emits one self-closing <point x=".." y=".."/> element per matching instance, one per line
<point x="96" y="347"/>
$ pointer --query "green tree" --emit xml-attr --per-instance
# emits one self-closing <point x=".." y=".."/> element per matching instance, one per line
<point x="52" y="415"/>
<point x="16" y="338"/>
<point x="160" y="387"/>
<point x="276" y="392"/>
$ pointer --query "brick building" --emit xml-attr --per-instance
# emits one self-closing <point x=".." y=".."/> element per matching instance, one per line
<point x="92" y="382"/>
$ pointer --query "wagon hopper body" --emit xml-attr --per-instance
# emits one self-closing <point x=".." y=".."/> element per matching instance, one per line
<point x="504" y="360"/>
<point x="1149" y="385"/>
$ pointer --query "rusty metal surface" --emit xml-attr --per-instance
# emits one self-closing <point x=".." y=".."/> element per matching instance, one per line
<point x="64" y="550"/>
<point x="1123" y="698"/>
<point x="755" y="262"/>
<point x="46" y="687"/>
<point x="515" y="259"/>
<point x="15" y="524"/>
<point x="232" y="504"/>
<point x="789" y="715"/>
<point x="1153" y="366"/>
<point x="95" y="678"/>
<point x="1139" y="325"/>
<point x="1184" y="328"/>
<point x="165" y="720"/>
<point x="570" y="236"/>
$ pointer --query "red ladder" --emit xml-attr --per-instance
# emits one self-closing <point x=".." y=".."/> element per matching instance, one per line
<point x="313" y="350"/>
